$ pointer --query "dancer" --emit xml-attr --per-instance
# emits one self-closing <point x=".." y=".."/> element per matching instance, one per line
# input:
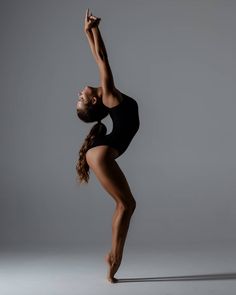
<point x="99" y="149"/>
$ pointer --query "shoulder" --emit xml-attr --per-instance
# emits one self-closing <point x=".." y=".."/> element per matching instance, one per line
<point x="112" y="99"/>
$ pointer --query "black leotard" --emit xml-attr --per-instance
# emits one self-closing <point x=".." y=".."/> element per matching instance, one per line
<point x="125" y="118"/>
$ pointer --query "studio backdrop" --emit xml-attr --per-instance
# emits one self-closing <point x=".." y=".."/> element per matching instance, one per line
<point x="177" y="59"/>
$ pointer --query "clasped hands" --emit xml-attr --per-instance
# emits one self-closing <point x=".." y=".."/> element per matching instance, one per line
<point x="90" y="21"/>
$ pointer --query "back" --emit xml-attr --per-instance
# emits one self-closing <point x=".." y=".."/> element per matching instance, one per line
<point x="125" y="119"/>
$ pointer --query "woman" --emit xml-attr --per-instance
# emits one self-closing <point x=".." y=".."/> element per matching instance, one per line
<point x="99" y="150"/>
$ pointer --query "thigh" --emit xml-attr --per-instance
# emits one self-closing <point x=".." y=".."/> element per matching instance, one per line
<point x="101" y="151"/>
<point x="109" y="174"/>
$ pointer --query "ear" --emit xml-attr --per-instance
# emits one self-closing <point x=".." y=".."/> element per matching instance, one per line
<point x="94" y="100"/>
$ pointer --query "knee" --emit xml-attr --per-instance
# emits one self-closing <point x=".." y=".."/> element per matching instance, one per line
<point x="127" y="207"/>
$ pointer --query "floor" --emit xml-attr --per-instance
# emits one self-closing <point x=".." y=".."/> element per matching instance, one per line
<point x="183" y="270"/>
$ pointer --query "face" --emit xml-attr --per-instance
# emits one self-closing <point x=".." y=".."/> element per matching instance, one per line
<point x="87" y="95"/>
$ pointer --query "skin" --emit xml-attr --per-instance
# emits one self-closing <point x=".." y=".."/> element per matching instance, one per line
<point x="95" y="95"/>
<point x="101" y="159"/>
<point x="89" y="94"/>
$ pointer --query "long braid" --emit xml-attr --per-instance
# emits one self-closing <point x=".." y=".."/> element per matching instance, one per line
<point x="82" y="167"/>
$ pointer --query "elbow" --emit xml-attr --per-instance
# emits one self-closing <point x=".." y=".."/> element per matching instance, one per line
<point x="102" y="55"/>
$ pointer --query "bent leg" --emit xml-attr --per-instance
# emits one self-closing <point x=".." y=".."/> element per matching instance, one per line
<point x="113" y="180"/>
<point x="111" y="177"/>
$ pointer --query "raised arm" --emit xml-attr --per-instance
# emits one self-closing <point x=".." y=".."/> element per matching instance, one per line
<point x="99" y="44"/>
<point x="88" y="23"/>
<point x="106" y="76"/>
<point x="89" y="36"/>
<point x="100" y="54"/>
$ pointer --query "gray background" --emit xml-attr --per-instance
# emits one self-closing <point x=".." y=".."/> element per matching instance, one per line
<point x="177" y="59"/>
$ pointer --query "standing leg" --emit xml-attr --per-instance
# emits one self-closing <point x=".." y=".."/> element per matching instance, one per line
<point x="111" y="177"/>
<point x="120" y="226"/>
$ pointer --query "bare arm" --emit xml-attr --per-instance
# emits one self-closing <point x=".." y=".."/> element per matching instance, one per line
<point x="99" y="44"/>
<point x="89" y="35"/>
<point x="89" y="22"/>
<point x="106" y="75"/>
<point x="99" y="52"/>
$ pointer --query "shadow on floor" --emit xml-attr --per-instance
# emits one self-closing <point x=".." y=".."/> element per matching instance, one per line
<point x="221" y="276"/>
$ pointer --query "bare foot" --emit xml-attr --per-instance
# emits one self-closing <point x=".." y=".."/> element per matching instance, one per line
<point x="113" y="267"/>
<point x="112" y="280"/>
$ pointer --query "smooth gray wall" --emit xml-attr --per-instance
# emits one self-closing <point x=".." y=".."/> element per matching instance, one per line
<point x="177" y="58"/>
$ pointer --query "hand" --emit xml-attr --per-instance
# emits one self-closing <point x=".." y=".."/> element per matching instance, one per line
<point x="90" y="21"/>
